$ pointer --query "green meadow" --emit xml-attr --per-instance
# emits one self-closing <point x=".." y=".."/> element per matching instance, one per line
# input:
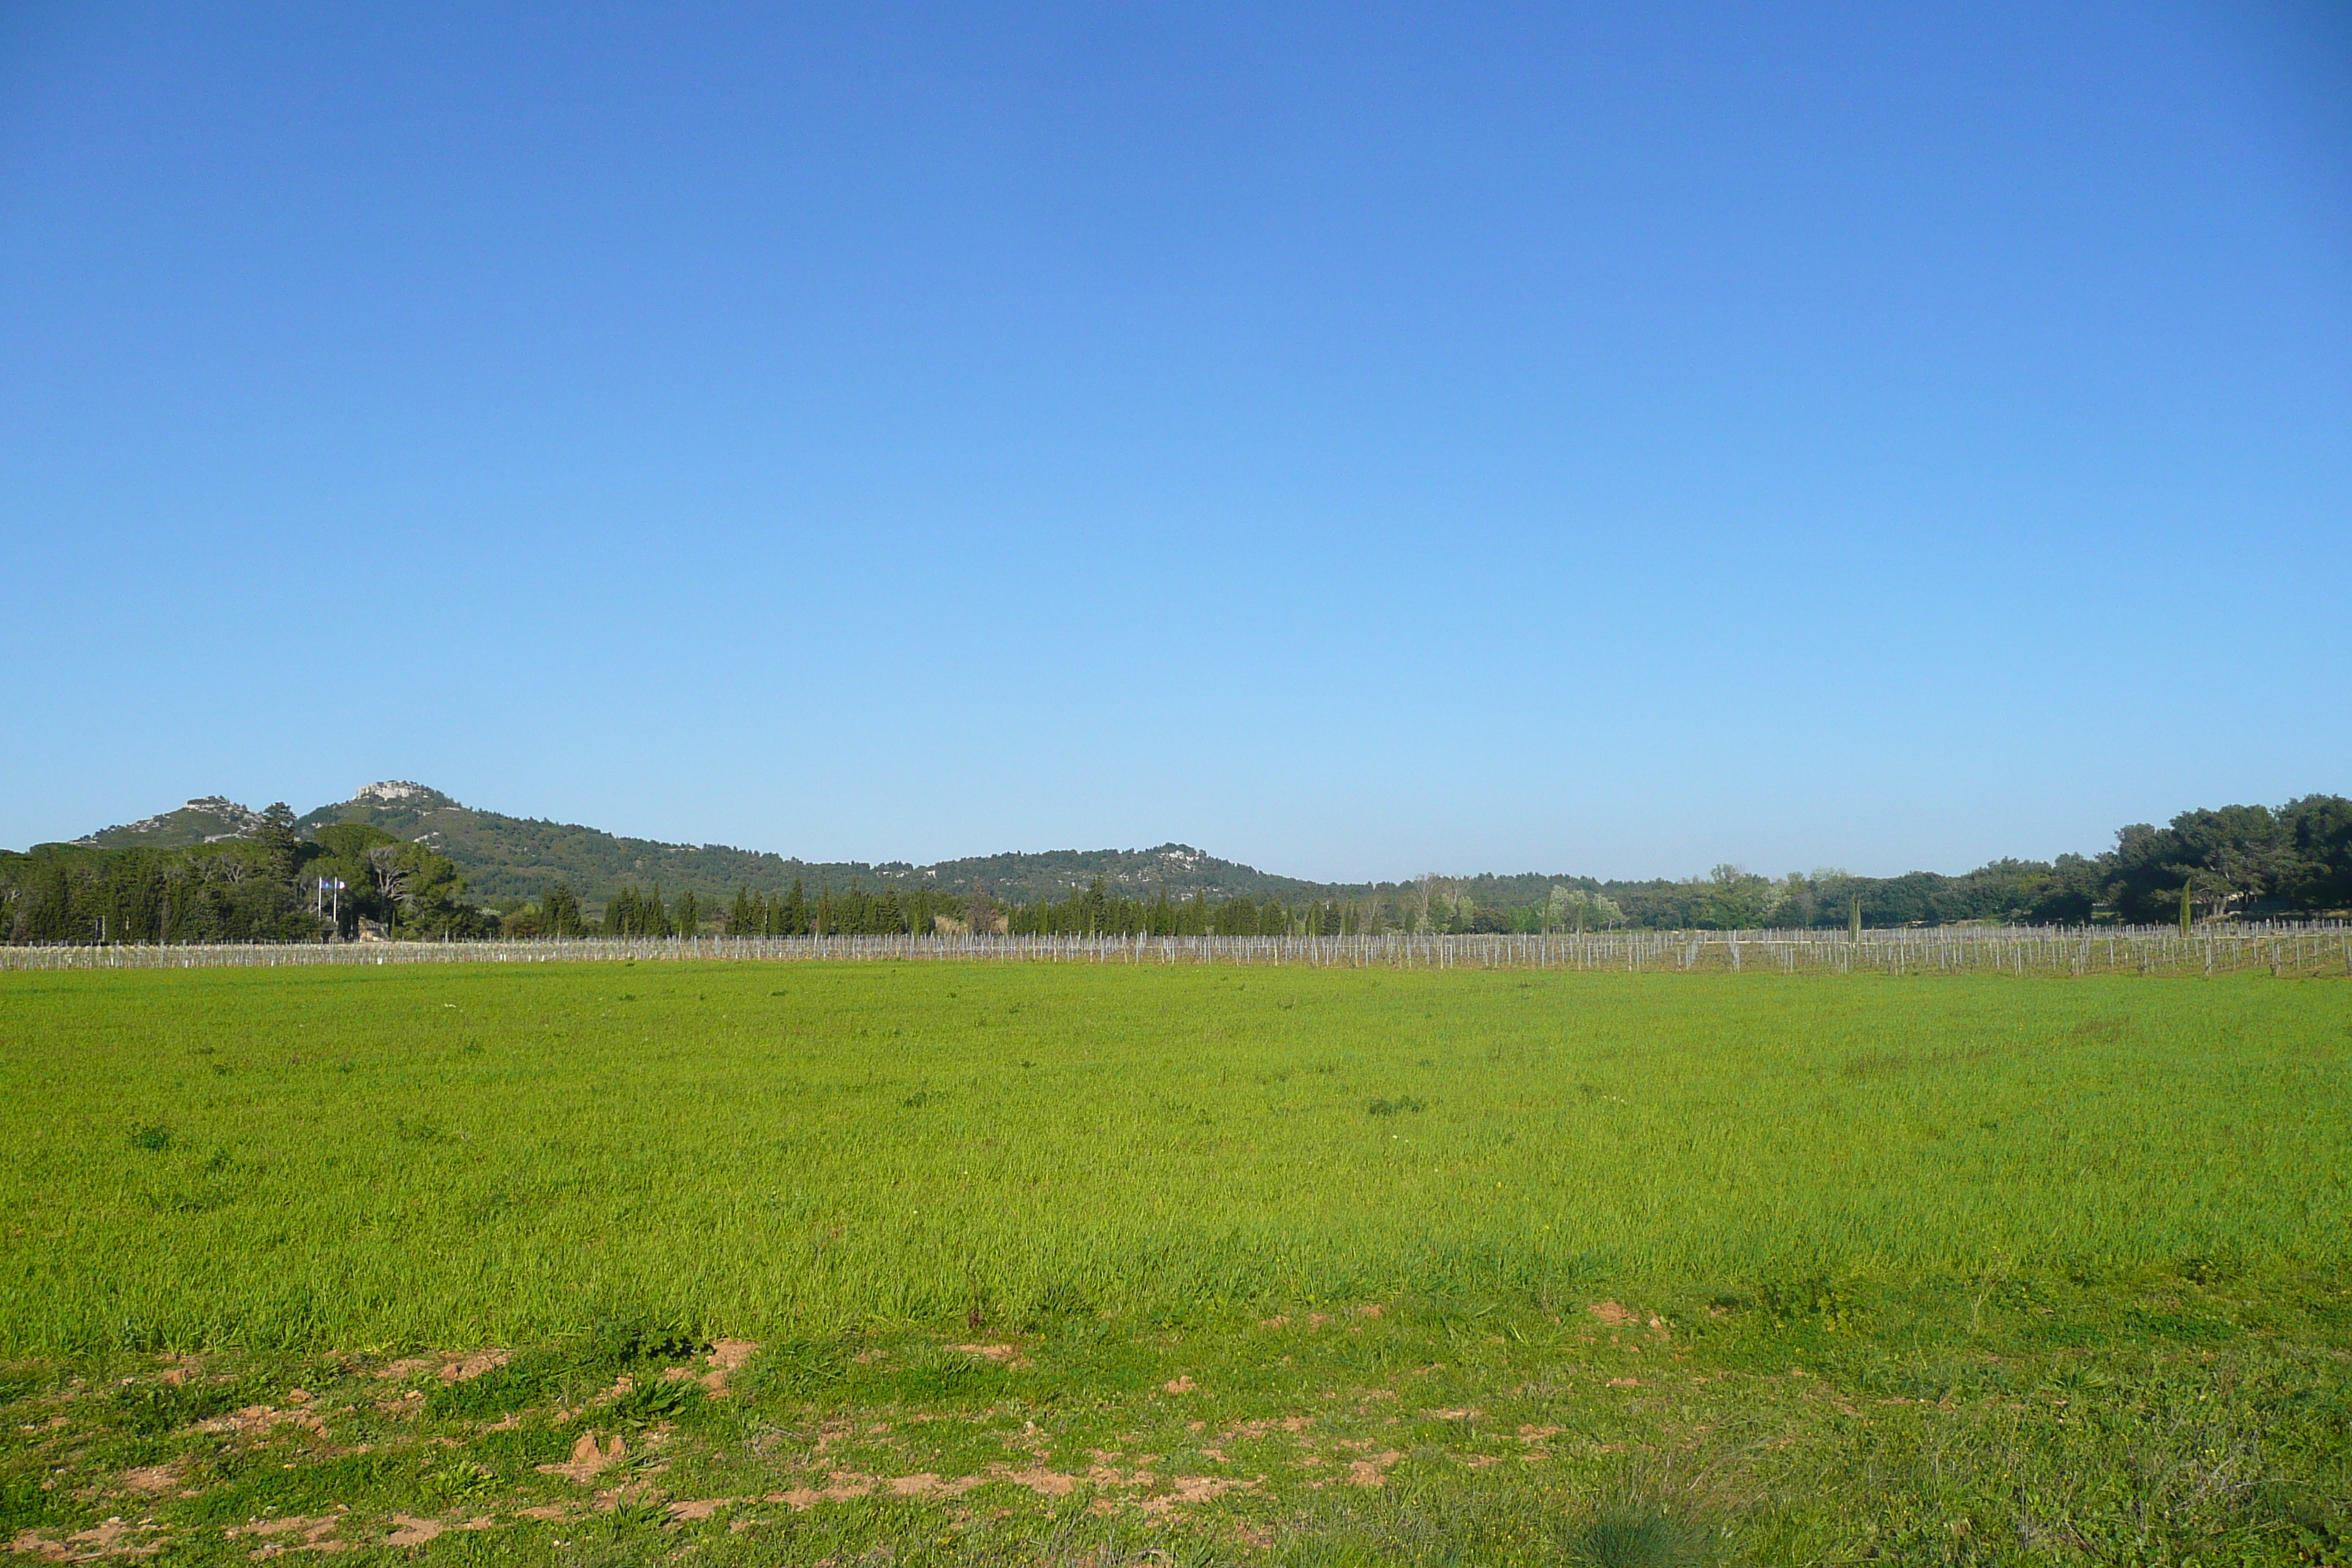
<point x="931" y="1262"/>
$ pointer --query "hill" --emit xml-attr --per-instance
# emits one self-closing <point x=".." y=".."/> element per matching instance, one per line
<point x="523" y="857"/>
<point x="210" y="819"/>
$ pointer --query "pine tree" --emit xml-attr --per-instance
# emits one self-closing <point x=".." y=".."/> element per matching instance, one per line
<point x="281" y="851"/>
<point x="688" y="917"/>
<point x="742" y="920"/>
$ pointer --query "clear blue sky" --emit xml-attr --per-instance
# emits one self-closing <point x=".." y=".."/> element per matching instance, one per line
<point x="1359" y="440"/>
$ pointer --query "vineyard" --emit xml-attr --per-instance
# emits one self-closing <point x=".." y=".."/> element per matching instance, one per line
<point x="2279" y="947"/>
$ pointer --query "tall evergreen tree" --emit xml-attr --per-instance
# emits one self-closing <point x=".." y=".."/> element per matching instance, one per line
<point x="621" y="913"/>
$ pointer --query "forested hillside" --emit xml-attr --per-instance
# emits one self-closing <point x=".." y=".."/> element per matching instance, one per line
<point x="270" y="884"/>
<point x="414" y="862"/>
<point x="524" y="857"/>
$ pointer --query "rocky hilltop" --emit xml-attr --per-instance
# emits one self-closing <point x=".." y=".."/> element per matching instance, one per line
<point x="208" y="819"/>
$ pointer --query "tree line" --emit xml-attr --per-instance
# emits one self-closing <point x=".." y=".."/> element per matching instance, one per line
<point x="346" y="880"/>
<point x="274" y="886"/>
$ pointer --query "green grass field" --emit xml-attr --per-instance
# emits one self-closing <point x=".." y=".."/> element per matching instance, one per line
<point x="1275" y="1265"/>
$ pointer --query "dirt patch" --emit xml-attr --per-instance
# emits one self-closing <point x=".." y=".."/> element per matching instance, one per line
<point x="468" y="1368"/>
<point x="1280" y="1322"/>
<point x="843" y="1486"/>
<point x="112" y="1539"/>
<point x="411" y="1531"/>
<point x="840" y="1487"/>
<point x="1372" y="1469"/>
<point x="255" y="1419"/>
<point x="728" y="1356"/>
<point x="1612" y="1314"/>
<point x="693" y="1511"/>
<point x="1454" y="1415"/>
<point x="1371" y="1310"/>
<point x="1624" y="1383"/>
<point x="407" y="1366"/>
<point x="1191" y="1490"/>
<point x="150" y="1480"/>
<point x="544" y="1511"/>
<point x="1178" y="1384"/>
<point x="1003" y="1355"/>
<point x="1109" y="1476"/>
<point x="588" y="1459"/>
<point x="1043" y="1482"/>
<point x="316" y="1534"/>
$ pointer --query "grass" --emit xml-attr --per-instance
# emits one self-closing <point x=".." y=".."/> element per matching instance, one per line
<point x="1185" y="1265"/>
